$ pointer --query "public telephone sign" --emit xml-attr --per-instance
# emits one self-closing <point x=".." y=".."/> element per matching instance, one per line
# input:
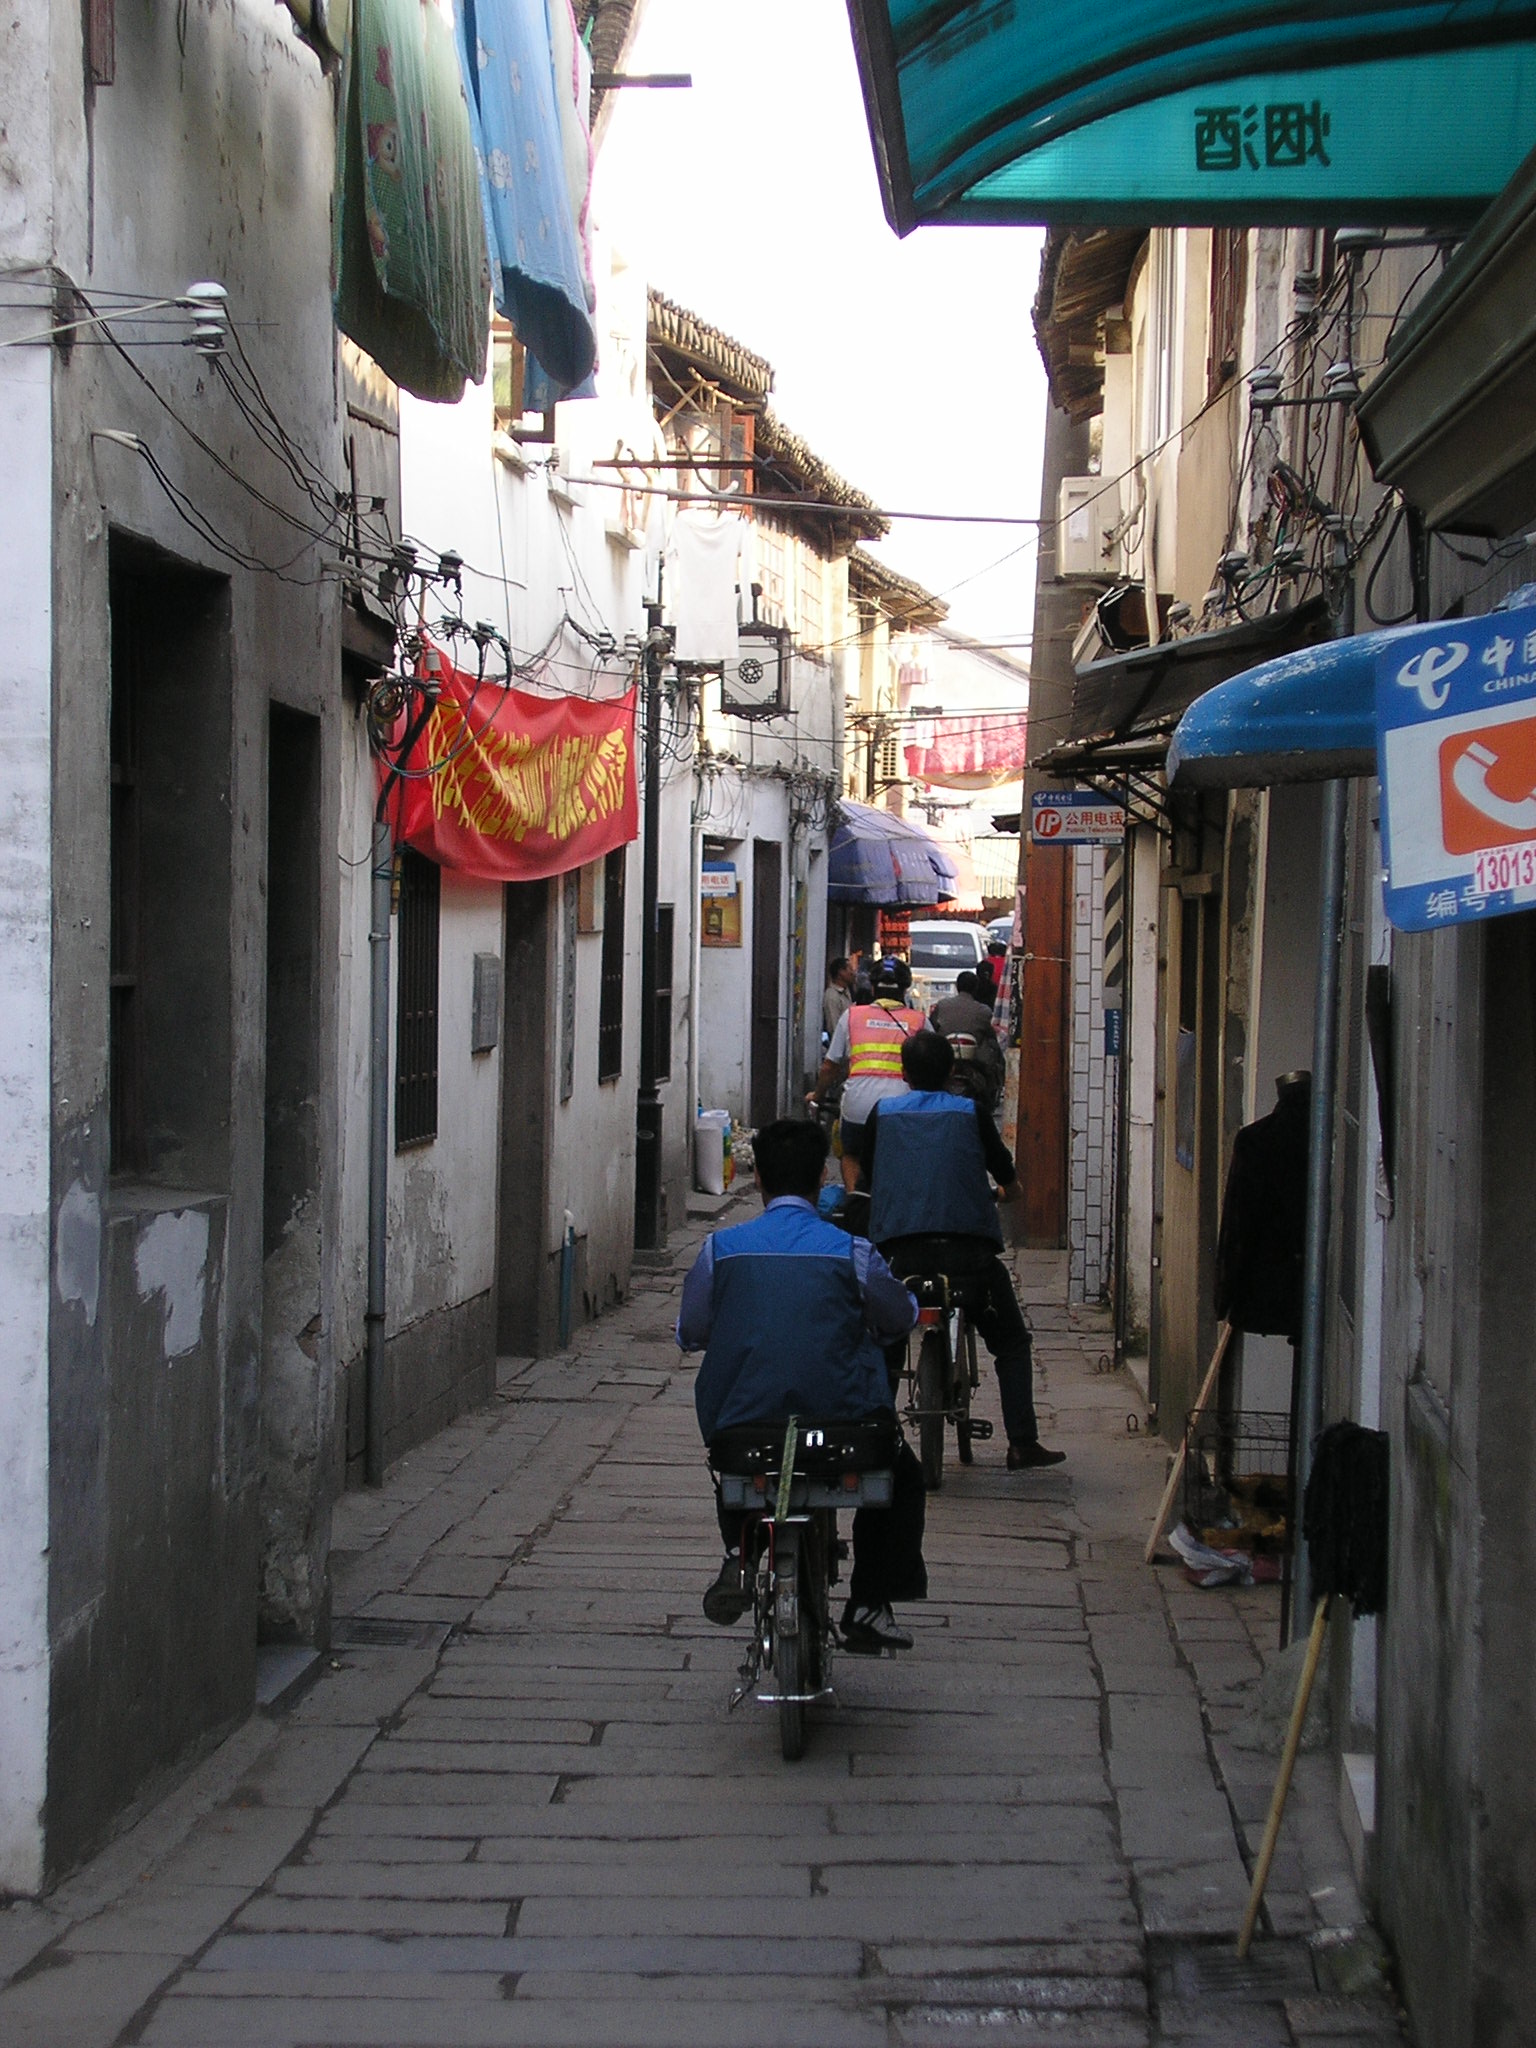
<point x="1075" y="817"/>
<point x="1456" y="743"/>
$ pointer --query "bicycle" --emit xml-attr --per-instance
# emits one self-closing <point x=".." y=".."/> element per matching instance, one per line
<point x="943" y="1376"/>
<point x="790" y="1485"/>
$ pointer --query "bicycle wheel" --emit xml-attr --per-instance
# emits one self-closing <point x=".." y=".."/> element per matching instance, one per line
<point x="967" y="1379"/>
<point x="792" y="1648"/>
<point x="932" y="1399"/>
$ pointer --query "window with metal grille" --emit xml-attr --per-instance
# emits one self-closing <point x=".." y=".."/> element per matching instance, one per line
<point x="610" y="1012"/>
<point x="889" y="770"/>
<point x="665" y="926"/>
<point x="421" y="886"/>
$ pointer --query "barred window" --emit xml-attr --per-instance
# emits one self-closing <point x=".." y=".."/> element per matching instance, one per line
<point x="610" y="1014"/>
<point x="773" y="569"/>
<point x="1229" y="279"/>
<point x="812" y="573"/>
<point x="421" y="885"/>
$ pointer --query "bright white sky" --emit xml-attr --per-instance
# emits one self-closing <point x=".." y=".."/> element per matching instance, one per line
<point x="910" y="365"/>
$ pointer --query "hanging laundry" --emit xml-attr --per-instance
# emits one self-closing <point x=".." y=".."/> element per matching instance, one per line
<point x="572" y="64"/>
<point x="412" y="276"/>
<point x="573" y="99"/>
<point x="701" y="580"/>
<point x="505" y="49"/>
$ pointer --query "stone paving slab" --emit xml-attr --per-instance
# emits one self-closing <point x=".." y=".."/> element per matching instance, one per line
<point x="536" y="1822"/>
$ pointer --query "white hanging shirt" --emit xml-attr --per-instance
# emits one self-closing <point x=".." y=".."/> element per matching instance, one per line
<point x="701" y="580"/>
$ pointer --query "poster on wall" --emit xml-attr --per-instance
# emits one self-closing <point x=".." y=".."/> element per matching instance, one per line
<point x="719" y="904"/>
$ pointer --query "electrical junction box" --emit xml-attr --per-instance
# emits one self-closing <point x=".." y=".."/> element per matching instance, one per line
<point x="1087" y="508"/>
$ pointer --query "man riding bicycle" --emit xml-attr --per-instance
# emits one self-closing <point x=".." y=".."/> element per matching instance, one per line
<point x="868" y="1042"/>
<point x="791" y="1313"/>
<point x="926" y="1157"/>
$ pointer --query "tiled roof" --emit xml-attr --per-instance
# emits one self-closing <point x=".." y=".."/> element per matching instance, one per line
<point x="905" y="602"/>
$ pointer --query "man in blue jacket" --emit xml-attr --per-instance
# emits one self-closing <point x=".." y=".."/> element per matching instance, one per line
<point x="926" y="1157"/>
<point x="791" y="1313"/>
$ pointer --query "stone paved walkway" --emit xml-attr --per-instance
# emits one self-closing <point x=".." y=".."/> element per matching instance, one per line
<point x="514" y="1810"/>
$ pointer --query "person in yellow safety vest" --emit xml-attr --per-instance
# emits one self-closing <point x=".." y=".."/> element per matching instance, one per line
<point x="867" y="1044"/>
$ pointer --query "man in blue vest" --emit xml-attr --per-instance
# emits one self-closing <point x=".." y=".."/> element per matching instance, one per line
<point x="791" y="1313"/>
<point x="926" y="1157"/>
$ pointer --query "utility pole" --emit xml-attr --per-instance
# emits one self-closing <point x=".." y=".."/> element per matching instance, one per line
<point x="648" y="1234"/>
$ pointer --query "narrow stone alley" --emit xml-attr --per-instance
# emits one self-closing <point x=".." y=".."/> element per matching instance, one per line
<point x="514" y="1809"/>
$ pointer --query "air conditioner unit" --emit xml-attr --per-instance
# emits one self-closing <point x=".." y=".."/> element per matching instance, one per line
<point x="1087" y="508"/>
<point x="756" y="683"/>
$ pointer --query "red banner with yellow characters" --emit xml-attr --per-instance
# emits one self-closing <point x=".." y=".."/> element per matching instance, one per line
<point x="520" y="787"/>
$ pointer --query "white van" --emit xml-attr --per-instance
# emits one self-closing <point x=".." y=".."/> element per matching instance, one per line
<point x="938" y="950"/>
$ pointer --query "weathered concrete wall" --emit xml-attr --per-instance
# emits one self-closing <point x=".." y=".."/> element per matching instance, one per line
<point x="208" y="157"/>
<point x="26" y="862"/>
<point x="1431" y="1803"/>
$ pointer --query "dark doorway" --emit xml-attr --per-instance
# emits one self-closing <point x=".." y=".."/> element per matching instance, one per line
<point x="767" y="968"/>
<point x="526" y="1278"/>
<point x="291" y="1163"/>
<point x="293" y="1597"/>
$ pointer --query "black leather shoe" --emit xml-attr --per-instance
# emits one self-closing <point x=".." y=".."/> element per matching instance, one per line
<point x="869" y="1630"/>
<point x="1028" y="1457"/>
<point x="727" y="1600"/>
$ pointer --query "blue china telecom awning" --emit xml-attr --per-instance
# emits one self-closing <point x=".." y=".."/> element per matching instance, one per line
<point x="1304" y="717"/>
<point x="1194" y="111"/>
<point x="876" y="857"/>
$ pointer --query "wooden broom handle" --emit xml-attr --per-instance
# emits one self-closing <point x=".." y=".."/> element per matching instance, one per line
<point x="1283" y="1782"/>
<point x="1201" y="1404"/>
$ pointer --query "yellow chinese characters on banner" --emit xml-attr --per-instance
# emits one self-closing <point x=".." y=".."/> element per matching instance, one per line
<point x="512" y="787"/>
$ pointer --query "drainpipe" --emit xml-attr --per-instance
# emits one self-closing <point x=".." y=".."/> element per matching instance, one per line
<point x="1325" y="1043"/>
<point x="382" y="877"/>
<point x="648" y="1235"/>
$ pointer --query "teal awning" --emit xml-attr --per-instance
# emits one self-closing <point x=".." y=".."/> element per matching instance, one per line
<point x="1194" y="111"/>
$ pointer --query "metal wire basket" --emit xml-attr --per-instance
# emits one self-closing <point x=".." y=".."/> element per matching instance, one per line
<point x="1237" y="1488"/>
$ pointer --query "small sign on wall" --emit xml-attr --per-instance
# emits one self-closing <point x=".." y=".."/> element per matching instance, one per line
<point x="719" y="904"/>
<point x="485" y="1010"/>
<point x="1075" y="817"/>
<point x="1456" y="741"/>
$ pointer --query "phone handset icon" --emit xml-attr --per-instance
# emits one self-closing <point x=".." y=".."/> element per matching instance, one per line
<point x="1469" y="777"/>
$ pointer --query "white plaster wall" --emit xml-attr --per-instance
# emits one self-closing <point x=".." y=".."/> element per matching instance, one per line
<point x="26" y="695"/>
<point x="537" y="546"/>
<point x="768" y="778"/>
<point x="442" y="1195"/>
